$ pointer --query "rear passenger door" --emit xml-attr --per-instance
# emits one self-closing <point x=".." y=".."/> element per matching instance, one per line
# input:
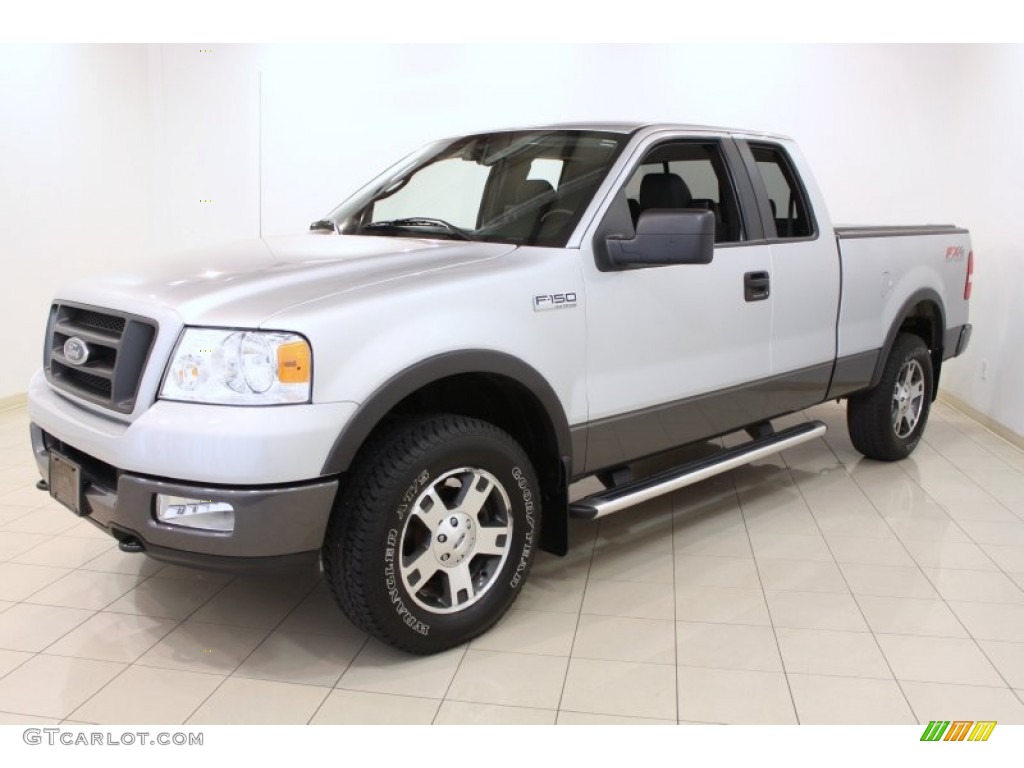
<point x="805" y="270"/>
<point x="671" y="350"/>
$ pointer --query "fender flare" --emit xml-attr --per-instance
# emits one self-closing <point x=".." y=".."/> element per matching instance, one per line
<point x="919" y="296"/>
<point x="430" y="370"/>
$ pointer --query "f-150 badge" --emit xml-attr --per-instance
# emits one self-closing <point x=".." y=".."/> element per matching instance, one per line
<point x="548" y="301"/>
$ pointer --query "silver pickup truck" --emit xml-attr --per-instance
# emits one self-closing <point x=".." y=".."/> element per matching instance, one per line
<point x="405" y="393"/>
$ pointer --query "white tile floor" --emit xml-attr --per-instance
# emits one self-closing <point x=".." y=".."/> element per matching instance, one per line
<point x="816" y="587"/>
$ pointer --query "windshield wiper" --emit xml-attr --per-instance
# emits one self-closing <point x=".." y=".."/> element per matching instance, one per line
<point x="323" y="224"/>
<point x="419" y="221"/>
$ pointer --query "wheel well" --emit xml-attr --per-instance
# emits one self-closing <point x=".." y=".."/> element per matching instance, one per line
<point x="510" y="406"/>
<point x="925" y="320"/>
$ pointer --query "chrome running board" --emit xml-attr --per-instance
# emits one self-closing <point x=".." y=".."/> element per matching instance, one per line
<point x="623" y="496"/>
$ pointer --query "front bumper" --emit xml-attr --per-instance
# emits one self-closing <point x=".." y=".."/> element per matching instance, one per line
<point x="215" y="444"/>
<point x="279" y="525"/>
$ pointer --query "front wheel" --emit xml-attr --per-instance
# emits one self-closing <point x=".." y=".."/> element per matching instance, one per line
<point x="433" y="533"/>
<point x="886" y="422"/>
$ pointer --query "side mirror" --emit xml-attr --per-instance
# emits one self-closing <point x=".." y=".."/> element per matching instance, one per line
<point x="666" y="236"/>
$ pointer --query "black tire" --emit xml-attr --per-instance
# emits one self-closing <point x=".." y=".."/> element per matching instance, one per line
<point x="385" y="520"/>
<point x="886" y="423"/>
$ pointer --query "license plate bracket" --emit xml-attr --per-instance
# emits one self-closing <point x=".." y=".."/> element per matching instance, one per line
<point x="66" y="482"/>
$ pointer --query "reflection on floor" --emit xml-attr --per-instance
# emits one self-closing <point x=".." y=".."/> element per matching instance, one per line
<point x="816" y="587"/>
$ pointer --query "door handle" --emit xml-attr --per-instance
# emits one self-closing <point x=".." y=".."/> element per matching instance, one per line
<point x="756" y="286"/>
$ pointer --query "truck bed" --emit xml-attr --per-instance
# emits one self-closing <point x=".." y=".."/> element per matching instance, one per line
<point x="850" y="232"/>
<point x="888" y="270"/>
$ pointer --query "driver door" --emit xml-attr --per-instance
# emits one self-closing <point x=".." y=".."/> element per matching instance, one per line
<point x="675" y="353"/>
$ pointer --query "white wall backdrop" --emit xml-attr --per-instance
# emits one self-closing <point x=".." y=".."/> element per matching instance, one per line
<point x="109" y="153"/>
<point x="76" y="192"/>
<point x="988" y="183"/>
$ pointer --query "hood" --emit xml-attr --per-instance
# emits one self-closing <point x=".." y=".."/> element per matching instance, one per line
<point x="244" y="283"/>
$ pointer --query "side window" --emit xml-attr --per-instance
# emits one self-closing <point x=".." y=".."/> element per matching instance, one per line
<point x="687" y="175"/>
<point x="785" y="196"/>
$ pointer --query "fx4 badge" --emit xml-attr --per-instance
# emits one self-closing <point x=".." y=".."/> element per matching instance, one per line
<point x="554" y="301"/>
<point x="955" y="253"/>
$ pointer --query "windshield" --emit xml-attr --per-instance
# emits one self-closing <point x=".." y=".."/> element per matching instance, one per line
<point x="523" y="187"/>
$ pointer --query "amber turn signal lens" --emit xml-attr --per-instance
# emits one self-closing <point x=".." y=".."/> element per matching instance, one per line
<point x="293" y="363"/>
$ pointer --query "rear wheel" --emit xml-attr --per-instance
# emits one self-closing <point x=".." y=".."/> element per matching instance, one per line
<point x="886" y="423"/>
<point x="433" y="533"/>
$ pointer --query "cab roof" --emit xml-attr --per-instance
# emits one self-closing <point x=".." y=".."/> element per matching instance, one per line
<point x="633" y="127"/>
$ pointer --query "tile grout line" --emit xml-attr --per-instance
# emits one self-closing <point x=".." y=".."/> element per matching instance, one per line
<point x="172" y="630"/>
<point x="938" y="592"/>
<point x="579" y="618"/>
<point x="19" y="666"/>
<point x="842" y="574"/>
<point x="230" y="674"/>
<point x="956" y="522"/>
<point x="448" y="688"/>
<point x="764" y="597"/>
<point x="26" y="513"/>
<point x="102" y="609"/>
<point x="334" y="686"/>
<point x="970" y="634"/>
<point x="992" y="433"/>
<point x="953" y="463"/>
<point x="942" y="506"/>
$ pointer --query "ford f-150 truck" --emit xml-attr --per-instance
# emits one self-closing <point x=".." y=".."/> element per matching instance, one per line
<point x="405" y="392"/>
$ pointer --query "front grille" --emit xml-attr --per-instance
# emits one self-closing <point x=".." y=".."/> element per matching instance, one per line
<point x="99" y="321"/>
<point x="96" y="384"/>
<point x="118" y="346"/>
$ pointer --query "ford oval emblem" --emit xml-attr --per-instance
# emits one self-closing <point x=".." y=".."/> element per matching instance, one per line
<point x="76" y="351"/>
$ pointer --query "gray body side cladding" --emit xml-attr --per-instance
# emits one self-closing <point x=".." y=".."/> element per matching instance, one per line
<point x="470" y="361"/>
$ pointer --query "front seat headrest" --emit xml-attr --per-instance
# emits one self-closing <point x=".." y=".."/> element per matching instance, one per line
<point x="663" y="190"/>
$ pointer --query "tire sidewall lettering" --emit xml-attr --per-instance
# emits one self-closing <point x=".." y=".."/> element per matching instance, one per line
<point x="391" y="579"/>
<point x="422" y="478"/>
<point x="522" y="495"/>
<point x="525" y="556"/>
<point x="394" y="592"/>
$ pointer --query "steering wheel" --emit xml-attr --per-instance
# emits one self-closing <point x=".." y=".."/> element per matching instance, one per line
<point x="555" y="212"/>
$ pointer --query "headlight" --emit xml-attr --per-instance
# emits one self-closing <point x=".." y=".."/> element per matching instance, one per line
<point x="212" y="365"/>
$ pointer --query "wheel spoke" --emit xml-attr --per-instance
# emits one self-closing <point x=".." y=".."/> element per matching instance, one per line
<point x="474" y="495"/>
<point x="425" y="564"/>
<point x="487" y="540"/>
<point x="459" y="579"/>
<point x="436" y="509"/>
<point x="463" y="513"/>
<point x="916" y="390"/>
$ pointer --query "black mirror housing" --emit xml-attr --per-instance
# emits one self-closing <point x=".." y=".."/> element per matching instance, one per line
<point x="666" y="236"/>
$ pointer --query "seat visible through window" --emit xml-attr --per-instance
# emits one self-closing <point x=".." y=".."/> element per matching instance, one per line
<point x="663" y="190"/>
<point x="686" y="174"/>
